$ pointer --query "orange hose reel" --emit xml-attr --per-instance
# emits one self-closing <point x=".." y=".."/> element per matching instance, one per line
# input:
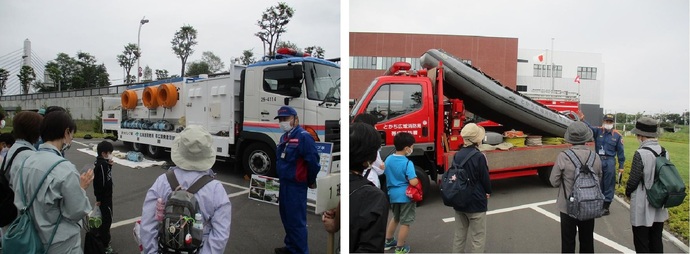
<point x="150" y="97"/>
<point x="167" y="95"/>
<point x="129" y="99"/>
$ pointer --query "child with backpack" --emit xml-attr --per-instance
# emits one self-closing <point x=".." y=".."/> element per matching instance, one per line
<point x="399" y="173"/>
<point x="578" y="167"/>
<point x="186" y="210"/>
<point x="646" y="219"/>
<point x="103" y="190"/>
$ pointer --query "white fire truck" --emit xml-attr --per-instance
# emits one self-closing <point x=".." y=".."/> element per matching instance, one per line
<point x="237" y="108"/>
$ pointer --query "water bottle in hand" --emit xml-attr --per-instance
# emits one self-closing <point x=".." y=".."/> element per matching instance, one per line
<point x="160" y="210"/>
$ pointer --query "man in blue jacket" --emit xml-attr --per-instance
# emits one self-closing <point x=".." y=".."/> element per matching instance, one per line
<point x="297" y="166"/>
<point x="608" y="145"/>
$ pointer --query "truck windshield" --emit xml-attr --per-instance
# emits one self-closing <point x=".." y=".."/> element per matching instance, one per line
<point x="323" y="82"/>
<point x="355" y="109"/>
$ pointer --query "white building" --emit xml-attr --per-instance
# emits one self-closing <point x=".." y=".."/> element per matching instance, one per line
<point x="534" y="75"/>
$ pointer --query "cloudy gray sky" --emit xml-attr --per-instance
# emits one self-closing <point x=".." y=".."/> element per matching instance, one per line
<point x="102" y="28"/>
<point x="644" y="44"/>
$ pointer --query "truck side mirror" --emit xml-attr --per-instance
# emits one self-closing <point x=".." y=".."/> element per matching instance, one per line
<point x="297" y="72"/>
<point x="295" y="91"/>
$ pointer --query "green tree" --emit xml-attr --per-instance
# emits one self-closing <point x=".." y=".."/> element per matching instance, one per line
<point x="182" y="44"/>
<point x="272" y="25"/>
<point x="288" y="44"/>
<point x="315" y="51"/>
<point x="4" y="75"/>
<point x="88" y="73"/>
<point x="26" y="76"/>
<point x="161" y="74"/>
<point x="127" y="59"/>
<point x="198" y="67"/>
<point x="148" y="74"/>
<point x="247" y="57"/>
<point x="61" y="70"/>
<point x="214" y="63"/>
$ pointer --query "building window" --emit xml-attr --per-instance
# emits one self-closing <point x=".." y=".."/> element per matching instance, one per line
<point x="520" y="88"/>
<point x="587" y="72"/>
<point x="542" y="70"/>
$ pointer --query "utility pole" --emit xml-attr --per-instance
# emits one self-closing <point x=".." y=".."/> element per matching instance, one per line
<point x="141" y="23"/>
<point x="553" y="68"/>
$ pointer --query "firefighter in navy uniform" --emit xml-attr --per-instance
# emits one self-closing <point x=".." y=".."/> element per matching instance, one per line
<point x="608" y="145"/>
<point x="297" y="166"/>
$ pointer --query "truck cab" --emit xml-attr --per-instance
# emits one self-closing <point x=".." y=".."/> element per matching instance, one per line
<point x="310" y="85"/>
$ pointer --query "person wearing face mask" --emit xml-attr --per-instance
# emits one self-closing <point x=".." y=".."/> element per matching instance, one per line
<point x="399" y="173"/>
<point x="368" y="204"/>
<point x="647" y="222"/>
<point x="470" y="220"/>
<point x="62" y="201"/>
<point x="297" y="165"/>
<point x="6" y="141"/>
<point x="608" y="145"/>
<point x="103" y="190"/>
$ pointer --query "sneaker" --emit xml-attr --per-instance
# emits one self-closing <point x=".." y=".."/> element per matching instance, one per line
<point x="282" y="250"/>
<point x="402" y="249"/>
<point x="390" y="244"/>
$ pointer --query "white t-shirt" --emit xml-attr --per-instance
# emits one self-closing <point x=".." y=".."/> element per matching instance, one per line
<point x="377" y="171"/>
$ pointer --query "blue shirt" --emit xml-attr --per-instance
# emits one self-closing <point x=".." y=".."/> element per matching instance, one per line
<point x="398" y="171"/>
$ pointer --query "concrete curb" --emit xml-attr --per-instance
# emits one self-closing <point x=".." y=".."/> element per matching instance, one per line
<point x="680" y="244"/>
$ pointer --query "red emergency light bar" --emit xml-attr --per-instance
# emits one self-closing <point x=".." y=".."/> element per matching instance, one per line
<point x="398" y="67"/>
<point x="291" y="52"/>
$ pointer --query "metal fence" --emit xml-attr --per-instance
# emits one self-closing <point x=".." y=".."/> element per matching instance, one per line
<point x="111" y="90"/>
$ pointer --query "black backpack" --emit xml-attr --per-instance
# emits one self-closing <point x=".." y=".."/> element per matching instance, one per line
<point x="7" y="207"/>
<point x="457" y="184"/>
<point x="180" y="208"/>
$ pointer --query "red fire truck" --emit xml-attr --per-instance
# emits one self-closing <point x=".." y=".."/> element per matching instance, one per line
<point x="415" y="102"/>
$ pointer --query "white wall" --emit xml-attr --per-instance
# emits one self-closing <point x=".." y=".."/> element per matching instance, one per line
<point x="591" y="90"/>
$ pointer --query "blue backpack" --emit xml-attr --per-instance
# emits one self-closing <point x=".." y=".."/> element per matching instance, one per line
<point x="21" y="235"/>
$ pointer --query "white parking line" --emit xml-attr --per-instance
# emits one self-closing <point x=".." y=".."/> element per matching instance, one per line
<point x="77" y="142"/>
<point x="535" y="207"/>
<point x="234" y="185"/>
<point x="597" y="237"/>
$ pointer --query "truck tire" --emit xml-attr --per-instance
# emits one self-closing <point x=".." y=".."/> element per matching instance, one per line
<point x="155" y="152"/>
<point x="424" y="180"/>
<point x="139" y="147"/>
<point x="128" y="145"/>
<point x="544" y="175"/>
<point x="259" y="159"/>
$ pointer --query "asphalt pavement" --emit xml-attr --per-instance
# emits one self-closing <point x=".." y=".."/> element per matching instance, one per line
<point x="523" y="218"/>
<point x="255" y="226"/>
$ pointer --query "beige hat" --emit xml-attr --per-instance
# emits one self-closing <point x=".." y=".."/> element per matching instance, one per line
<point x="193" y="149"/>
<point x="472" y="134"/>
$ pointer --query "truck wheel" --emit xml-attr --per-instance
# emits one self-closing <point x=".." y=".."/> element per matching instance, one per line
<point x="544" y="175"/>
<point x="155" y="152"/>
<point x="138" y="147"/>
<point x="424" y="180"/>
<point x="128" y="145"/>
<point x="260" y="159"/>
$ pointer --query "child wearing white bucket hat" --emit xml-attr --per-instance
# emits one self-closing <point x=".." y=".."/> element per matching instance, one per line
<point x="193" y="154"/>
